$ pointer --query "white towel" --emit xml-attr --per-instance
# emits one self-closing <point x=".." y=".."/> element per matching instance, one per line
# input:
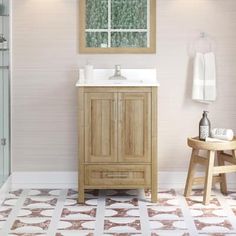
<point x="204" y="78"/>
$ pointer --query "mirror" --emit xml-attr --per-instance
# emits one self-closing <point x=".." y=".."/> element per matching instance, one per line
<point x="117" y="26"/>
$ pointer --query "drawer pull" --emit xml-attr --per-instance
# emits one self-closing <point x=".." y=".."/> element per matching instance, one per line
<point x="119" y="176"/>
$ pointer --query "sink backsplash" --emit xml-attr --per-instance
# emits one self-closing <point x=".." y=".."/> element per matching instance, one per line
<point x="130" y="74"/>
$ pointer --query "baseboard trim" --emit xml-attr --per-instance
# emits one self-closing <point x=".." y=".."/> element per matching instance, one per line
<point x="4" y="189"/>
<point x="44" y="179"/>
<point x="70" y="179"/>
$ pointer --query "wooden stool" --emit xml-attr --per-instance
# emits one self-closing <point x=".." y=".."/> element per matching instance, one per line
<point x="213" y="173"/>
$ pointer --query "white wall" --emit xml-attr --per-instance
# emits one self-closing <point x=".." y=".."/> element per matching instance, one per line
<point x="45" y="42"/>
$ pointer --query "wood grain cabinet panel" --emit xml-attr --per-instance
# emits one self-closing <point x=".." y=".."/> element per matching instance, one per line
<point x="134" y="127"/>
<point x="117" y="138"/>
<point x="124" y="176"/>
<point x="100" y="127"/>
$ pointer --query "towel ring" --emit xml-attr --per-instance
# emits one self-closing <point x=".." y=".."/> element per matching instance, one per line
<point x="202" y="44"/>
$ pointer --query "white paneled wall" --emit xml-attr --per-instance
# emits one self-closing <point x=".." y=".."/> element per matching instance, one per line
<point x="45" y="56"/>
<point x="43" y="92"/>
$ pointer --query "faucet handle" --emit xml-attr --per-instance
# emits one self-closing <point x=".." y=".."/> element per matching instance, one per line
<point x="117" y="69"/>
<point x="117" y="75"/>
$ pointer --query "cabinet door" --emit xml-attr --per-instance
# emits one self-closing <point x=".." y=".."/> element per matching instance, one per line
<point x="100" y="127"/>
<point x="134" y="127"/>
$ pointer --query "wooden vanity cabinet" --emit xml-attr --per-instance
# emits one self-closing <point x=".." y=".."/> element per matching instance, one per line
<point x="117" y="138"/>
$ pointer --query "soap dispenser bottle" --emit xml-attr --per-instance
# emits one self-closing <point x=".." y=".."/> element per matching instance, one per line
<point x="204" y="127"/>
<point x="88" y="71"/>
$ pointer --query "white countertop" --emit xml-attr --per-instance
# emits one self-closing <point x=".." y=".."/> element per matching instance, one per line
<point x="135" y="77"/>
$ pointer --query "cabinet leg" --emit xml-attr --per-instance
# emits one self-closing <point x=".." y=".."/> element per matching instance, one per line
<point x="81" y="195"/>
<point x="154" y="195"/>
<point x="191" y="172"/>
<point x="154" y="188"/>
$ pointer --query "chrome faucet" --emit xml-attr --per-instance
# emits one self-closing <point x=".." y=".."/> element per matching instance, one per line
<point x="117" y="75"/>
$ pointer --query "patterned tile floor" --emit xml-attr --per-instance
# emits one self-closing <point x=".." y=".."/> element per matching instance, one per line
<point x="55" y="212"/>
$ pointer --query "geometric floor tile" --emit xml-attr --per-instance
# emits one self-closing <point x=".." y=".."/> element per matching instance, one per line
<point x="2" y="223"/>
<point x="117" y="225"/>
<point x="30" y="225"/>
<point x="76" y="225"/>
<point x="55" y="212"/>
<point x="76" y="212"/>
<point x="121" y="212"/>
<point x="212" y="224"/>
<point x="4" y="212"/>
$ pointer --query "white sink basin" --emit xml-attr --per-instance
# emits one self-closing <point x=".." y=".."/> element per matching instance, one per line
<point x="135" y="77"/>
<point x="110" y="81"/>
<point x="126" y="81"/>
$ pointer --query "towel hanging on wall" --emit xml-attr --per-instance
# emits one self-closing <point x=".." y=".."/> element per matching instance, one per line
<point x="204" y="72"/>
<point x="204" y="78"/>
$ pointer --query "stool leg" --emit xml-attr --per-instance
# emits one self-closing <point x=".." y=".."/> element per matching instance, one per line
<point x="208" y="177"/>
<point x="234" y="153"/>
<point x="191" y="172"/>
<point x="223" y="184"/>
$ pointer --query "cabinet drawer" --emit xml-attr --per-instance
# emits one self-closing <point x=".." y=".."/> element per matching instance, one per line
<point x="117" y="175"/>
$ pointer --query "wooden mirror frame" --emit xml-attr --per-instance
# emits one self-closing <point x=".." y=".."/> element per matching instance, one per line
<point x="87" y="50"/>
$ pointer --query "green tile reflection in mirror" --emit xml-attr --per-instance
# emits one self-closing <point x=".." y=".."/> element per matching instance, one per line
<point x="117" y="26"/>
<point x="97" y="39"/>
<point x="96" y="14"/>
<point x="129" y="39"/>
<point x="2" y="8"/>
<point x="131" y="14"/>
